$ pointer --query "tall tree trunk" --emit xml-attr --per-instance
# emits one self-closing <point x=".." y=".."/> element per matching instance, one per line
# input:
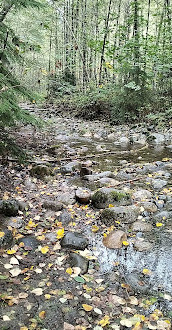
<point x="104" y="41"/>
<point x="136" y="43"/>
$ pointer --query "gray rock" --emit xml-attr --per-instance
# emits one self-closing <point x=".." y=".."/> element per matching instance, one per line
<point x="141" y="226"/>
<point x="30" y="242"/>
<point x="149" y="206"/>
<point x="16" y="222"/>
<point x="125" y="214"/>
<point x="67" y="198"/>
<point x="137" y="282"/>
<point x="168" y="205"/>
<point x="9" y="207"/>
<point x="105" y="196"/>
<point x="95" y="177"/>
<point x="52" y="205"/>
<point x="83" y="195"/>
<point x="7" y="239"/>
<point x="74" y="240"/>
<point x="160" y="204"/>
<point x="142" y="245"/>
<point x="51" y="237"/>
<point x="142" y="195"/>
<point x="157" y="138"/>
<point x="124" y="140"/>
<point x="70" y="167"/>
<point x="75" y="260"/>
<point x="65" y="217"/>
<point x="40" y="171"/>
<point x="163" y="215"/>
<point x="159" y="184"/>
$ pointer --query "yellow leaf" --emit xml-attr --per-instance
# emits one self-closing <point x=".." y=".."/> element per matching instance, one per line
<point x="60" y="233"/>
<point x="146" y="271"/>
<point x="104" y="321"/>
<point x="87" y="308"/>
<point x="125" y="243"/>
<point x="23" y="328"/>
<point x="159" y="224"/>
<point x="42" y="315"/>
<point x="11" y="251"/>
<point x="111" y="205"/>
<point x="47" y="296"/>
<point x="94" y="228"/>
<point x="41" y="237"/>
<point x="44" y="249"/>
<point x="69" y="271"/>
<point x="2" y="234"/>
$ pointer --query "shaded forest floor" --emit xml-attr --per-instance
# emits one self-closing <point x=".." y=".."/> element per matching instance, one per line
<point x="40" y="287"/>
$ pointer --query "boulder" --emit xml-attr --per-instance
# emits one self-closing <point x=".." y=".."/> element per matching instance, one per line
<point x="125" y="214"/>
<point x="69" y="167"/>
<point x="105" y="196"/>
<point x="142" y="245"/>
<point x="95" y="177"/>
<point x="141" y="226"/>
<point x="67" y="198"/>
<point x="83" y="195"/>
<point x="40" y="171"/>
<point x="114" y="239"/>
<point x="65" y="217"/>
<point x="74" y="240"/>
<point x="75" y="260"/>
<point x="52" y="205"/>
<point x="141" y="195"/>
<point x="30" y="242"/>
<point x="159" y="184"/>
<point x="149" y="206"/>
<point x="9" y="207"/>
<point x="7" y="239"/>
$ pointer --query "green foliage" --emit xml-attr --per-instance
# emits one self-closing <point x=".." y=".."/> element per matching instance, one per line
<point x="62" y="84"/>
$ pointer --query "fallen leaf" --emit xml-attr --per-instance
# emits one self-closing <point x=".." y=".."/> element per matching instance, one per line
<point x="104" y="321"/>
<point x="146" y="271"/>
<point x="37" y="291"/>
<point x="2" y="234"/>
<point x="126" y="323"/>
<point x="60" y="233"/>
<point x="42" y="315"/>
<point x="159" y="224"/>
<point x="97" y="311"/>
<point x="15" y="272"/>
<point x="125" y="243"/>
<point x="12" y="251"/>
<point x="47" y="296"/>
<point x="79" y="279"/>
<point x="94" y="229"/>
<point x="44" y="249"/>
<point x="23" y="295"/>
<point x="69" y="271"/>
<point x="87" y="308"/>
<point x="133" y="300"/>
<point x="14" y="261"/>
<point x="23" y="328"/>
<point x="8" y="266"/>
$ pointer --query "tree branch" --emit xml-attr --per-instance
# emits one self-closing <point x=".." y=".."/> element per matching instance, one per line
<point x="5" y="11"/>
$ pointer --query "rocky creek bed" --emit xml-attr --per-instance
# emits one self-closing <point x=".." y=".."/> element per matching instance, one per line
<point x="85" y="227"/>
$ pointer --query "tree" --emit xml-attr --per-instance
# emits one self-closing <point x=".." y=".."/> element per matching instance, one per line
<point x="11" y="48"/>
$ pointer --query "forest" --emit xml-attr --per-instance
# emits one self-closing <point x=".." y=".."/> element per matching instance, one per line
<point x="85" y="164"/>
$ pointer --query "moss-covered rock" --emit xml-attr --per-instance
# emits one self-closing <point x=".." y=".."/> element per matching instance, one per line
<point x="40" y="171"/>
<point x="9" y="207"/>
<point x="105" y="196"/>
<point x="125" y="214"/>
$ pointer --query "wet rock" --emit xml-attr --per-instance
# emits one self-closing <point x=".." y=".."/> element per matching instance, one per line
<point x="159" y="184"/>
<point x="157" y="138"/>
<point x="125" y="214"/>
<point x="142" y="245"/>
<point x="85" y="171"/>
<point x="7" y="239"/>
<point x="9" y="207"/>
<point x="40" y="171"/>
<point x="83" y="195"/>
<point x="30" y="242"/>
<point x="74" y="240"/>
<point x="67" y="198"/>
<point x="105" y="196"/>
<point x="65" y="217"/>
<point x="163" y="215"/>
<point x="69" y="167"/>
<point x="52" y="205"/>
<point x="75" y="260"/>
<point x="137" y="282"/>
<point x="141" y="226"/>
<point x="16" y="222"/>
<point x="138" y="138"/>
<point x="149" y="206"/>
<point x="95" y="177"/>
<point x="141" y="195"/>
<point x="114" y="239"/>
<point x="168" y="205"/>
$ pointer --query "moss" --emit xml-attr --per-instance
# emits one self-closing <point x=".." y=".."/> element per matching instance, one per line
<point x="108" y="217"/>
<point x="99" y="197"/>
<point x="118" y="195"/>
